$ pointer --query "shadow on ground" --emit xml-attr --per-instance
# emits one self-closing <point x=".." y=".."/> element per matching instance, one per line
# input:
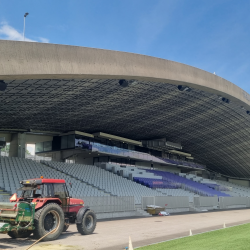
<point x="9" y="243"/>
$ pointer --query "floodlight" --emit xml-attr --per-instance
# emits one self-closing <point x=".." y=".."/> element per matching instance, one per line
<point x="3" y="85"/>
<point x="123" y="83"/>
<point x="184" y="88"/>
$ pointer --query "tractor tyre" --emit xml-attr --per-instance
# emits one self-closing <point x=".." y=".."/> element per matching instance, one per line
<point x="49" y="218"/>
<point x="88" y="223"/>
<point x="19" y="234"/>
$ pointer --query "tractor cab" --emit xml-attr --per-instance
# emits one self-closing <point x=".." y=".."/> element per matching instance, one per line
<point x="42" y="191"/>
<point x="43" y="188"/>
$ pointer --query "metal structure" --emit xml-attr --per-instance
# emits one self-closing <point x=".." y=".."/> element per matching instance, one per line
<point x="25" y="15"/>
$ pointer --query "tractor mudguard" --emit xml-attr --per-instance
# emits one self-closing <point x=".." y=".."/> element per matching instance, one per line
<point x="80" y="214"/>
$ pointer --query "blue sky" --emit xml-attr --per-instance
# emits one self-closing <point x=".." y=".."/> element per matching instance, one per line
<point x="212" y="35"/>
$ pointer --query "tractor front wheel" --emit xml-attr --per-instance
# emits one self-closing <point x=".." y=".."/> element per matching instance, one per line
<point x="47" y="219"/>
<point x="88" y="223"/>
<point x="19" y="234"/>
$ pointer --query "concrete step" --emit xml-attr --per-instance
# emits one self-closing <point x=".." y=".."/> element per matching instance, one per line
<point x="140" y="212"/>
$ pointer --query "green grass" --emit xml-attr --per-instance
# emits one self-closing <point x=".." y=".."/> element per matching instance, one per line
<point x="234" y="238"/>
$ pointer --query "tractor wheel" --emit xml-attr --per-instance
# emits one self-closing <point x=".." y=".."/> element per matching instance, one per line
<point x="19" y="234"/>
<point x="88" y="224"/>
<point x="49" y="218"/>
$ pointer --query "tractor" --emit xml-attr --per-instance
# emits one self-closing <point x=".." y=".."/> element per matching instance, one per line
<point x="44" y="206"/>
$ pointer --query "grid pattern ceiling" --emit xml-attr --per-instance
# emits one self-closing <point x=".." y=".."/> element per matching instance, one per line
<point x="215" y="133"/>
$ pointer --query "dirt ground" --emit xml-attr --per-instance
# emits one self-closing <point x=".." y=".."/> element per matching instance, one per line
<point x="114" y="234"/>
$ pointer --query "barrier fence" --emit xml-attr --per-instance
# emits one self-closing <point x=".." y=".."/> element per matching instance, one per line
<point x="181" y="204"/>
<point x="234" y="202"/>
<point x="170" y="203"/>
<point x="206" y="202"/>
<point x="110" y="204"/>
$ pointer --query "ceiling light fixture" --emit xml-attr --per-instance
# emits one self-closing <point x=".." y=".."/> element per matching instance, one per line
<point x="3" y="85"/>
<point x="123" y="83"/>
<point x="184" y="88"/>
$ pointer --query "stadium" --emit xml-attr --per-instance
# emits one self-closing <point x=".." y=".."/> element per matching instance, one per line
<point x="125" y="130"/>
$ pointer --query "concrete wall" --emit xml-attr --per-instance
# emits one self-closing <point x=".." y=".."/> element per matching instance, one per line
<point x="239" y="182"/>
<point x="81" y="159"/>
<point x="17" y="145"/>
<point x="170" y="169"/>
<point x="32" y="139"/>
<point x="29" y="138"/>
<point x="7" y="136"/>
<point x="222" y="178"/>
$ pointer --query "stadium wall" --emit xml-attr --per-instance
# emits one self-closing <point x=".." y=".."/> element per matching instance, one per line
<point x="239" y="182"/>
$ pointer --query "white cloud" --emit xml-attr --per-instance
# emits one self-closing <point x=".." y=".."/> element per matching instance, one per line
<point x="7" y="32"/>
<point x="44" y="40"/>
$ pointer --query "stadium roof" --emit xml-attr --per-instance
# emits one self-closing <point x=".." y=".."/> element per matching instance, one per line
<point x="63" y="88"/>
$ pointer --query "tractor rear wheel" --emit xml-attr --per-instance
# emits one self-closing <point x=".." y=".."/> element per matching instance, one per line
<point x="20" y="234"/>
<point x="88" y="223"/>
<point x="47" y="219"/>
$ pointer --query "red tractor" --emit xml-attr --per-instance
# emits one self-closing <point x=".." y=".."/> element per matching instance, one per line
<point x="44" y="206"/>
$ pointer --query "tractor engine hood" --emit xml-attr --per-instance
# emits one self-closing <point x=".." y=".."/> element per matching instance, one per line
<point x="75" y="205"/>
<point x="74" y="201"/>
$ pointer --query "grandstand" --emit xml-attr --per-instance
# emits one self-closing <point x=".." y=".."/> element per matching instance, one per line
<point x="103" y="180"/>
<point x="118" y="125"/>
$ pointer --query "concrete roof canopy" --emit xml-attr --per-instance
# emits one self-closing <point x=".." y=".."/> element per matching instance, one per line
<point x="62" y="88"/>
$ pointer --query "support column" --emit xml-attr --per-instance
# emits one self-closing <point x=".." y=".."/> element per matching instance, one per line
<point x="57" y="156"/>
<point x="17" y="145"/>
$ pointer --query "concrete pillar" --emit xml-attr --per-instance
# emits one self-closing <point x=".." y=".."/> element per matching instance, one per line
<point x="17" y="145"/>
<point x="57" y="156"/>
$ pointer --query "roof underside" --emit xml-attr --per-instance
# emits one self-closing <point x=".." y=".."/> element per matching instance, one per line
<point x="214" y="132"/>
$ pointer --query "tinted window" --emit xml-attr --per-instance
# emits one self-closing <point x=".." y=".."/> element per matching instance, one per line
<point x="48" y="190"/>
<point x="39" y="147"/>
<point x="59" y="190"/>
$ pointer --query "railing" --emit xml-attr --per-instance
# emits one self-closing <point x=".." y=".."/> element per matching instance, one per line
<point x="124" y="152"/>
<point x="180" y="204"/>
<point x="37" y="158"/>
<point x="110" y="204"/>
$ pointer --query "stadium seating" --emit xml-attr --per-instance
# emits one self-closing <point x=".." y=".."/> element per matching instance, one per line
<point x="105" y="180"/>
<point x="189" y="184"/>
<point x="88" y="180"/>
<point x="13" y="169"/>
<point x="156" y="183"/>
<point x="235" y="190"/>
